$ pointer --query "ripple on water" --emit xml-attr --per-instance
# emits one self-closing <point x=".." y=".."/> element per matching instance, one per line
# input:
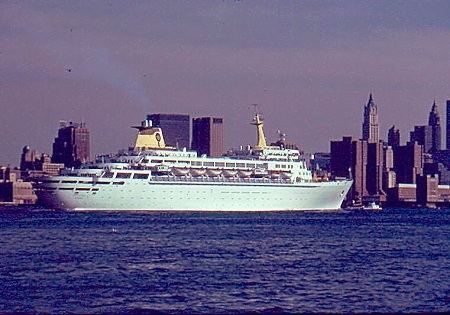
<point x="393" y="261"/>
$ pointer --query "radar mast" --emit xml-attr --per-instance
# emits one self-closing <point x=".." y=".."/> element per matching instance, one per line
<point x="259" y="123"/>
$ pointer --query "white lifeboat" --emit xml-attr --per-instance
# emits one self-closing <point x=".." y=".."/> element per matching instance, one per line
<point x="275" y="175"/>
<point x="230" y="173"/>
<point x="244" y="173"/>
<point x="214" y="173"/>
<point x="177" y="171"/>
<point x="198" y="171"/>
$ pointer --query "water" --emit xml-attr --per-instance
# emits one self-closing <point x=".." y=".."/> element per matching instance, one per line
<point x="396" y="260"/>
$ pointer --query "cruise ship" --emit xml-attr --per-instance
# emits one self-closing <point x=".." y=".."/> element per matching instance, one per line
<point x="151" y="176"/>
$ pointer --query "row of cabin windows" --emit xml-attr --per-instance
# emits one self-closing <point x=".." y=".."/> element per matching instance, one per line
<point x="283" y="166"/>
<point x="216" y="164"/>
<point x="125" y="175"/>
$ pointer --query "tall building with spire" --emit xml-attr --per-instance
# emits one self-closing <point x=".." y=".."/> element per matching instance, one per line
<point x="370" y="128"/>
<point x="434" y="122"/>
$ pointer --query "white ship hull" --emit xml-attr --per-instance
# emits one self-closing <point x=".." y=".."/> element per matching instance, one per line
<point x="137" y="195"/>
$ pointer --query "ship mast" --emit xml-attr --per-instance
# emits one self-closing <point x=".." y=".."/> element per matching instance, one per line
<point x="259" y="123"/>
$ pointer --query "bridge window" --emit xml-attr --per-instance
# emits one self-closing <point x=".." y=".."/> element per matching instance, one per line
<point x="140" y="176"/>
<point x="108" y="175"/>
<point x="123" y="175"/>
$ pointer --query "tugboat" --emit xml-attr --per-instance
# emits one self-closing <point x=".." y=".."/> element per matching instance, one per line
<point x="372" y="206"/>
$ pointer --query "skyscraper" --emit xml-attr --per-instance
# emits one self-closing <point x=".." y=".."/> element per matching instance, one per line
<point x="434" y="122"/>
<point x="71" y="146"/>
<point x="28" y="159"/>
<point x="207" y="136"/>
<point x="394" y="137"/>
<point x="423" y="135"/>
<point x="370" y="128"/>
<point x="359" y="169"/>
<point x="175" y="127"/>
<point x="408" y="162"/>
<point x="341" y="157"/>
<point x="448" y="125"/>
<point x="365" y="162"/>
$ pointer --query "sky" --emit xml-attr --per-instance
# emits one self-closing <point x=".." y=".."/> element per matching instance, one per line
<point x="310" y="65"/>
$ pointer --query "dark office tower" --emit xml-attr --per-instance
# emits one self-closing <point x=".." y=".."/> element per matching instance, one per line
<point x="423" y="135"/>
<point x="375" y="167"/>
<point x="434" y="122"/>
<point x="175" y="127"/>
<point x="28" y="159"/>
<point x="207" y="136"/>
<point x="359" y="169"/>
<point x="370" y="128"/>
<point x="394" y="137"/>
<point x="71" y="146"/>
<point x="408" y="162"/>
<point x="366" y="164"/>
<point x="341" y="157"/>
<point x="448" y="125"/>
<point x="389" y="177"/>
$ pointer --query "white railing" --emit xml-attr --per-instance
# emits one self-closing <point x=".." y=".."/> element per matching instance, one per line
<point x="219" y="180"/>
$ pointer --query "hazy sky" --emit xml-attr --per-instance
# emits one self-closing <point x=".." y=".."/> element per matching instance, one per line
<point x="309" y="64"/>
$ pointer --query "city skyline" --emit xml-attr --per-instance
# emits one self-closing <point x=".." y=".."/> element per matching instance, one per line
<point x="310" y="65"/>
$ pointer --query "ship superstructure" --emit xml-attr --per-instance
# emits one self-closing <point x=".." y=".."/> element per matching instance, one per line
<point x="153" y="176"/>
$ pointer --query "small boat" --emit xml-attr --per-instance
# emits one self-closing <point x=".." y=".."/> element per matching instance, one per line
<point x="244" y="173"/>
<point x="198" y="172"/>
<point x="180" y="171"/>
<point x="229" y="173"/>
<point x="372" y="206"/>
<point x="214" y="173"/>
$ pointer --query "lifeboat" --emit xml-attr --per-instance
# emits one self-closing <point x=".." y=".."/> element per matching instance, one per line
<point x="230" y="173"/>
<point x="198" y="172"/>
<point x="177" y="171"/>
<point x="245" y="173"/>
<point x="214" y="173"/>
<point x="275" y="175"/>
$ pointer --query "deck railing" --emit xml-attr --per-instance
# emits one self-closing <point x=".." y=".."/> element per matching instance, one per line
<point x="219" y="180"/>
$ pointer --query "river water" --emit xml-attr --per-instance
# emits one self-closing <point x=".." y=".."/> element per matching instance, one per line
<point x="396" y="260"/>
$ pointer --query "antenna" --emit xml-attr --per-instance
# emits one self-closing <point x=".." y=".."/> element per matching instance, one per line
<point x="255" y="108"/>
